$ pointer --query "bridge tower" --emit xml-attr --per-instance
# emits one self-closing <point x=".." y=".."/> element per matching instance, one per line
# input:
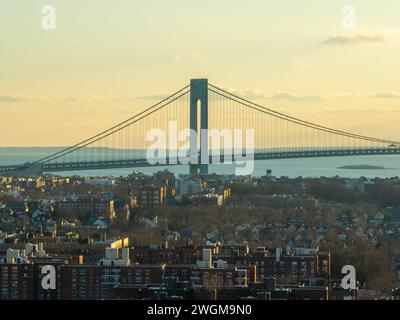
<point x="199" y="99"/>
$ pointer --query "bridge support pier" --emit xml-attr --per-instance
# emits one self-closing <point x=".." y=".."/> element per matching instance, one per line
<point x="199" y="99"/>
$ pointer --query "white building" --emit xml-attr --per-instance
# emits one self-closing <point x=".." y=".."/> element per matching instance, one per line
<point x="187" y="186"/>
<point x="97" y="181"/>
<point x="113" y="258"/>
<point x="22" y="256"/>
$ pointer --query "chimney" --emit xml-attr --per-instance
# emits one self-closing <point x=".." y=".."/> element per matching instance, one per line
<point x="278" y="252"/>
<point x="11" y="255"/>
<point x="207" y="257"/>
<point x="125" y="255"/>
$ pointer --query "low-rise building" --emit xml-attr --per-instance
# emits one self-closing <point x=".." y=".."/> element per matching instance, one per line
<point x="88" y="208"/>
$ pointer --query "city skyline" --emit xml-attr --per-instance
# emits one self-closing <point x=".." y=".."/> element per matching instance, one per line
<point x="199" y="157"/>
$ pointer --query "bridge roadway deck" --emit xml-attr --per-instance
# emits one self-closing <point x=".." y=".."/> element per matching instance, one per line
<point x="137" y="163"/>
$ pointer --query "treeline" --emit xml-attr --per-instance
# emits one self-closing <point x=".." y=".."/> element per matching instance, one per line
<point x="379" y="194"/>
<point x="372" y="264"/>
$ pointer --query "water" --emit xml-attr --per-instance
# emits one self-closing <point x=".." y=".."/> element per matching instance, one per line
<point x="314" y="167"/>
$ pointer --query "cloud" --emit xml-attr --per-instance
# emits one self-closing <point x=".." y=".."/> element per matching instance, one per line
<point x="303" y="63"/>
<point x="378" y="35"/>
<point x="292" y="97"/>
<point x="197" y="57"/>
<point x="53" y="98"/>
<point x="10" y="98"/>
<point x="354" y="39"/>
<point x="385" y="95"/>
<point x="156" y="96"/>
<point x="191" y="57"/>
<point x="259" y="94"/>
<point x="88" y="98"/>
<point x="371" y="110"/>
<point x="178" y="57"/>
<point x="249" y="94"/>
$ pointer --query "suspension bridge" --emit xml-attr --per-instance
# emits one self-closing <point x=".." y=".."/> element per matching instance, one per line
<point x="204" y="106"/>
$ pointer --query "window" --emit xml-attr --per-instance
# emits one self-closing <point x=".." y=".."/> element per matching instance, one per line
<point x="294" y="267"/>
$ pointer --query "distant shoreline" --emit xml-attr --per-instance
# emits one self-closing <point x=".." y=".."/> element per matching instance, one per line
<point x="362" y="167"/>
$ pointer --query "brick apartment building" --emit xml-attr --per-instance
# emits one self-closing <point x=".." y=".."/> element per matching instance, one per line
<point x="92" y="282"/>
<point x="163" y="269"/>
<point x="16" y="281"/>
<point x="299" y="266"/>
<point x="21" y="276"/>
<point x="152" y="196"/>
<point x="213" y="276"/>
<point x="89" y="208"/>
<point x="287" y="268"/>
<point x="164" y="254"/>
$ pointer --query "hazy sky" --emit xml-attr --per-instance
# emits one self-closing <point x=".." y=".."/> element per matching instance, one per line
<point x="106" y="58"/>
